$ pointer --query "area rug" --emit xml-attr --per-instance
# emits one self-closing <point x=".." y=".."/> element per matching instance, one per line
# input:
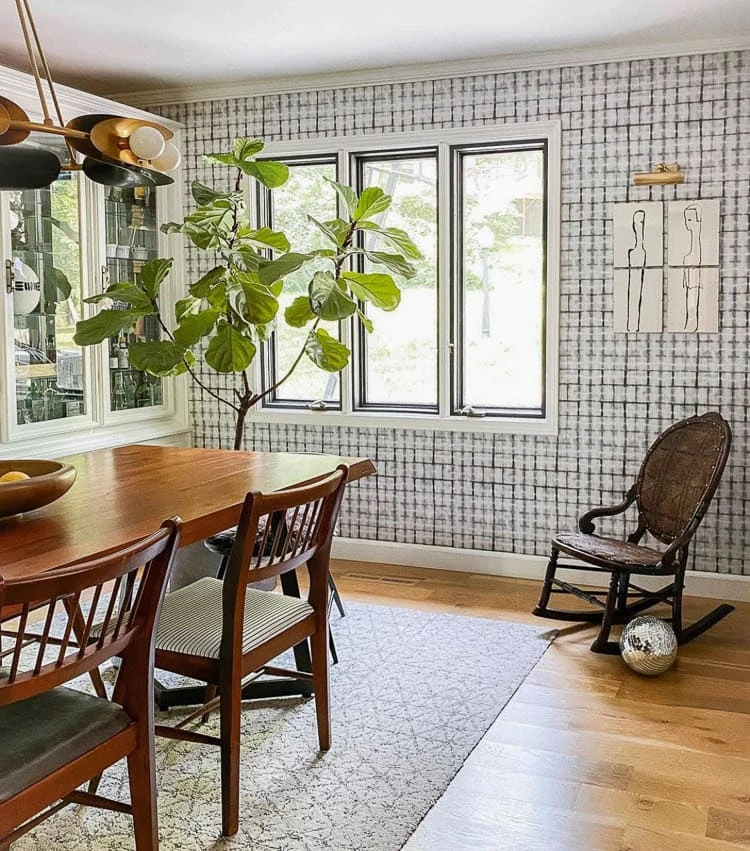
<point x="411" y="696"/>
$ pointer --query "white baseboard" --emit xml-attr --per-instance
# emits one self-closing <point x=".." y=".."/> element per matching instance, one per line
<point x="697" y="583"/>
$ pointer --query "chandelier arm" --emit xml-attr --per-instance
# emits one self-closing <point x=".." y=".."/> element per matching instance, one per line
<point x="43" y="60"/>
<point x="35" y="127"/>
<point x="20" y="5"/>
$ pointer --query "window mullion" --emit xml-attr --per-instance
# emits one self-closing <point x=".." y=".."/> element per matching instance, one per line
<point x="445" y="281"/>
<point x="349" y="373"/>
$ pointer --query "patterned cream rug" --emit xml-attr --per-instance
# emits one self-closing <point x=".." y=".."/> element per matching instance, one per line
<point x="412" y="695"/>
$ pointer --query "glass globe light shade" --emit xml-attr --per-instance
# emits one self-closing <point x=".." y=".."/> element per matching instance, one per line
<point x="146" y="143"/>
<point x="27" y="290"/>
<point x="169" y="160"/>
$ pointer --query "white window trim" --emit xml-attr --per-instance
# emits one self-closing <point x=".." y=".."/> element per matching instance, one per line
<point x="442" y="421"/>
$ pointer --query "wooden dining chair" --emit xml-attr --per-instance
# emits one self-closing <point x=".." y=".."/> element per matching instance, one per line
<point x="674" y="488"/>
<point x="54" y="738"/>
<point x="221" y="544"/>
<point x="225" y="632"/>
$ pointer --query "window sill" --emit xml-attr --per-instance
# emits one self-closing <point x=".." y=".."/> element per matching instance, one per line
<point x="408" y="422"/>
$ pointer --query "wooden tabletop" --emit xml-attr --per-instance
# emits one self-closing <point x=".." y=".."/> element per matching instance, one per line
<point x="123" y="494"/>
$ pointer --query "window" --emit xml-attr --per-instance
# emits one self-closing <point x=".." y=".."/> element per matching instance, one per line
<point x="473" y="344"/>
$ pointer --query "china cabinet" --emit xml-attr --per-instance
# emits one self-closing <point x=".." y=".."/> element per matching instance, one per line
<point x="61" y="244"/>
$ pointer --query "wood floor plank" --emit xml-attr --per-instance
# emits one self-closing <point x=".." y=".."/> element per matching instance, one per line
<point x="721" y="733"/>
<point x="545" y="764"/>
<point x="625" y="808"/>
<point x="729" y="825"/>
<point x="651" y="839"/>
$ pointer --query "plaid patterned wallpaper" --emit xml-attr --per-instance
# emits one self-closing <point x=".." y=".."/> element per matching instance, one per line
<point x="617" y="391"/>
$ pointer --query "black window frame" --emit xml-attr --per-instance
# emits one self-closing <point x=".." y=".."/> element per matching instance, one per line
<point x="458" y="404"/>
<point x="264" y="210"/>
<point x="360" y="402"/>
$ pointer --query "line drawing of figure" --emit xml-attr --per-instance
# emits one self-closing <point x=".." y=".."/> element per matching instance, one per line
<point x="636" y="271"/>
<point x="691" y="273"/>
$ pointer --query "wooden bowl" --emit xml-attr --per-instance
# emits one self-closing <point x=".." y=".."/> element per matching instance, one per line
<point x="48" y="481"/>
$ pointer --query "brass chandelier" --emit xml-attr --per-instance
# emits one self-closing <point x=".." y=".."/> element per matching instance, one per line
<point x="109" y="149"/>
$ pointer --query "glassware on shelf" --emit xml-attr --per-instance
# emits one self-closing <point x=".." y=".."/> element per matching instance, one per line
<point x="46" y="256"/>
<point x="132" y="240"/>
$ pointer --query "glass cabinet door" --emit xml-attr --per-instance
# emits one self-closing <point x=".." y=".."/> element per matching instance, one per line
<point x="131" y="240"/>
<point x="46" y="296"/>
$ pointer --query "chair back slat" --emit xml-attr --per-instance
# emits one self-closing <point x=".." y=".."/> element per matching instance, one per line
<point x="65" y="642"/>
<point x="45" y="636"/>
<point x="680" y="474"/>
<point x="277" y="533"/>
<point x="68" y="645"/>
<point x="104" y="626"/>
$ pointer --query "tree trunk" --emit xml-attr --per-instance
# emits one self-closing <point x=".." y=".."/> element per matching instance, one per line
<point x="239" y="428"/>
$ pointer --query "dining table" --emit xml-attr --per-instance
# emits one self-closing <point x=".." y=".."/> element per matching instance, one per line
<point x="124" y="493"/>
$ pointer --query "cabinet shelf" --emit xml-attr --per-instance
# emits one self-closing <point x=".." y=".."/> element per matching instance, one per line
<point x="36" y="370"/>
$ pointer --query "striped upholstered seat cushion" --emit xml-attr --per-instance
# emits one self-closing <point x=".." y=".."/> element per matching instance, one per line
<point x="190" y="620"/>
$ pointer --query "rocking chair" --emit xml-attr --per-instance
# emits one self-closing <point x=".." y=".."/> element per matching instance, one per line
<point x="674" y="487"/>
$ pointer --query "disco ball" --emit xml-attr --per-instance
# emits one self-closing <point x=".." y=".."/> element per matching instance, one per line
<point x="648" y="645"/>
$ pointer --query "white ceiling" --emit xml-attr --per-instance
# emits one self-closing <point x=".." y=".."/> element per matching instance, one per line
<point x="109" y="47"/>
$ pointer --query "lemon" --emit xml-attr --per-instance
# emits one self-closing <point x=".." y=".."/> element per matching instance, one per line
<point x="14" y="476"/>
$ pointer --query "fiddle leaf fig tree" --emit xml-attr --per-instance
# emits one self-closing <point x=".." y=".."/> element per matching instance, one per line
<point x="230" y="311"/>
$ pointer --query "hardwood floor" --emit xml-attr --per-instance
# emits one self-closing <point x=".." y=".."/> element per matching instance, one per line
<point x="587" y="754"/>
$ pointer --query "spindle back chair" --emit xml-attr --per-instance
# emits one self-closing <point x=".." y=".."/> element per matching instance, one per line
<point x="54" y="738"/>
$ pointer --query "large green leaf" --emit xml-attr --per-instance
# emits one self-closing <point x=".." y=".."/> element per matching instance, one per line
<point x="245" y="149"/>
<point x="187" y="306"/>
<point x="225" y="159"/>
<point x="328" y="300"/>
<point x="371" y="202"/>
<point x="133" y="296"/>
<point x="396" y="263"/>
<point x="153" y="274"/>
<point x="380" y="290"/>
<point x="106" y="323"/>
<point x="326" y="351"/>
<point x="159" y="357"/>
<point x="203" y="286"/>
<point x="396" y="236"/>
<point x="229" y="351"/>
<point x="245" y="257"/>
<point x="341" y="229"/>
<point x="260" y="305"/>
<point x="213" y="214"/>
<point x="324" y="229"/>
<point x="204" y="238"/>
<point x="217" y="297"/>
<point x="366" y="321"/>
<point x="195" y="326"/>
<point x="347" y="195"/>
<point x="268" y="238"/>
<point x="273" y="270"/>
<point x="270" y="174"/>
<point x="299" y="312"/>
<point x="205" y="194"/>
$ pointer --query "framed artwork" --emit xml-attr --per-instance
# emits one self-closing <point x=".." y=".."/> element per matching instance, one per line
<point x="693" y="299"/>
<point x="638" y="301"/>
<point x="638" y="262"/>
<point x="693" y="259"/>
<point x="693" y="228"/>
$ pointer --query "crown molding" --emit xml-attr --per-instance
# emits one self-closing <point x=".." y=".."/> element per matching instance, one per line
<point x="433" y="71"/>
<point x="21" y="88"/>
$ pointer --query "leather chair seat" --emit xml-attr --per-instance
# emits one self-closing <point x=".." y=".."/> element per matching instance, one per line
<point x="45" y="732"/>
